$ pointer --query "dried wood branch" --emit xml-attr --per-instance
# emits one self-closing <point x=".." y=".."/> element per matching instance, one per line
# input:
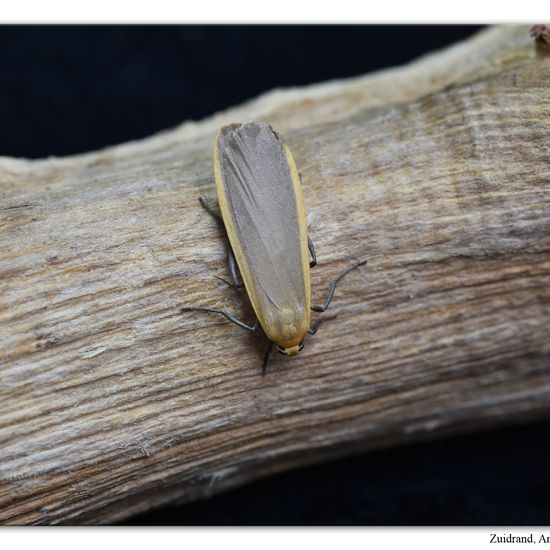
<point x="438" y="172"/>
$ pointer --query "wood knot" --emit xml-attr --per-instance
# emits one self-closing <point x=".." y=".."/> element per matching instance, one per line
<point x="541" y="34"/>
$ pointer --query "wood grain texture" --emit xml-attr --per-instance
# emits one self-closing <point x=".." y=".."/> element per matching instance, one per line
<point x="438" y="172"/>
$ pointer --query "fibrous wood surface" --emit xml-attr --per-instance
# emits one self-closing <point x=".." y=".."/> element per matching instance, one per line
<point x="438" y="172"/>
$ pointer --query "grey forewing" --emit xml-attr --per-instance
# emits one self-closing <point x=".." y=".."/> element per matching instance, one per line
<point x="260" y="193"/>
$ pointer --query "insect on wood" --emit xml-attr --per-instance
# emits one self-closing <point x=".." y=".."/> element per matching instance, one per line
<point x="262" y="209"/>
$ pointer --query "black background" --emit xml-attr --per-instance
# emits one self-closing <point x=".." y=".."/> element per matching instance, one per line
<point x="65" y="90"/>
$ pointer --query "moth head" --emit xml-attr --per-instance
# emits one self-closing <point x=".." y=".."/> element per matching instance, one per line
<point x="292" y="350"/>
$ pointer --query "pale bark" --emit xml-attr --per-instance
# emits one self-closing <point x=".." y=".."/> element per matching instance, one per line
<point x="438" y="172"/>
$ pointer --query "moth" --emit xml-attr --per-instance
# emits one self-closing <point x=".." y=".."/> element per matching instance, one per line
<point x="262" y="209"/>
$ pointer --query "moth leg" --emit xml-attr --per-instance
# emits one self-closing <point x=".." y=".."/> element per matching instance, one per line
<point x="313" y="261"/>
<point x="316" y="326"/>
<point x="311" y="248"/>
<point x="235" y="283"/>
<point x="332" y="288"/>
<point x="233" y="269"/>
<point x="213" y="213"/>
<point x="266" y="357"/>
<point x="228" y="316"/>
